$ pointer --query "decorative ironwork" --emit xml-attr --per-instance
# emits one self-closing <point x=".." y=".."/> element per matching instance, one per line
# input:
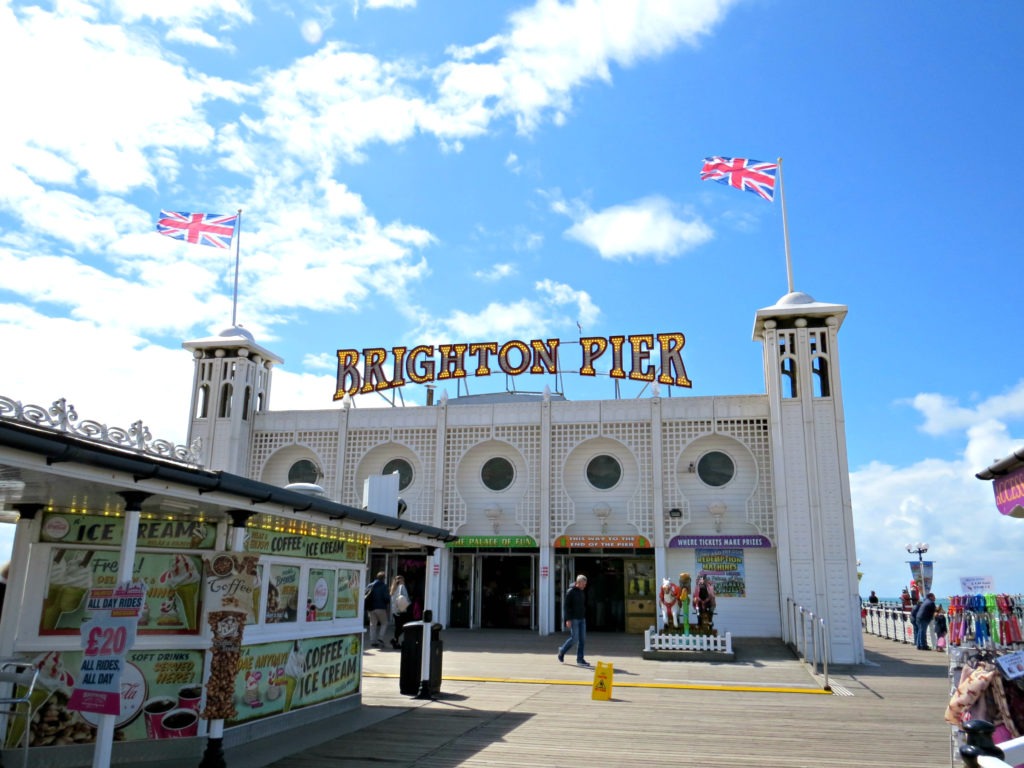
<point x="62" y="417"/>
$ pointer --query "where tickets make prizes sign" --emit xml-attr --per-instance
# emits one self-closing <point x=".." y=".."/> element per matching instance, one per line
<point x="106" y="638"/>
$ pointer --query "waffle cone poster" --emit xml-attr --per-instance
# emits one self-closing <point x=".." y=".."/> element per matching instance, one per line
<point x="173" y="602"/>
<point x="231" y="597"/>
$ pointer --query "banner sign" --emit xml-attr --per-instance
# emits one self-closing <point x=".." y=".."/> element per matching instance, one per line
<point x="282" y="676"/>
<point x="725" y="567"/>
<point x="172" y="602"/>
<point x="924" y="580"/>
<point x="105" y="531"/>
<point x="510" y="542"/>
<point x="607" y="542"/>
<point x="977" y="585"/>
<point x="743" y="542"/>
<point x="365" y="372"/>
<point x="1009" y="490"/>
<point x="302" y="545"/>
<point x="106" y="638"/>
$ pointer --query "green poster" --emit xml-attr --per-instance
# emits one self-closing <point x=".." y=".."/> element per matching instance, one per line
<point x="160" y="699"/>
<point x="349" y="592"/>
<point x="320" y="603"/>
<point x="281" y="676"/>
<point x="173" y="590"/>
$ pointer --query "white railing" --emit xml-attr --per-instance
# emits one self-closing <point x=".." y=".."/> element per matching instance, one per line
<point x="653" y="641"/>
<point x="807" y="635"/>
<point x="887" y="620"/>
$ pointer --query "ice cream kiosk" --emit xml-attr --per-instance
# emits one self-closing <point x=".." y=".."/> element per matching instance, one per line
<point x="177" y="614"/>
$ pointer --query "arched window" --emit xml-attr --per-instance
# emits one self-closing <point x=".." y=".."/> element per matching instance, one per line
<point x="304" y="471"/>
<point x="203" y="402"/>
<point x="404" y="470"/>
<point x="787" y="365"/>
<point x="604" y="472"/>
<point x="245" y="404"/>
<point x="819" y="363"/>
<point x="497" y="473"/>
<point x="224" y="410"/>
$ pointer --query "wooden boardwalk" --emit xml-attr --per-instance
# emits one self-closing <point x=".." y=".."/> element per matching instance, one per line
<point x="506" y="701"/>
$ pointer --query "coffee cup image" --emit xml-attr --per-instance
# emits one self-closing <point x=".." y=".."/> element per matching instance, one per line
<point x="189" y="696"/>
<point x="179" y="723"/>
<point x="153" y="712"/>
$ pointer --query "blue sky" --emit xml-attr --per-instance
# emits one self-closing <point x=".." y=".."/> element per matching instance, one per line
<point x="424" y="172"/>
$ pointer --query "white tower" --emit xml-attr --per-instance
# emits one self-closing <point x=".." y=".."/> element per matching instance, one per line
<point x="816" y="551"/>
<point x="230" y="385"/>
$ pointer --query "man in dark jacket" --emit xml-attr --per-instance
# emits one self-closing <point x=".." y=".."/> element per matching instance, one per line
<point x="377" y="600"/>
<point x="574" y="613"/>
<point x="923" y="614"/>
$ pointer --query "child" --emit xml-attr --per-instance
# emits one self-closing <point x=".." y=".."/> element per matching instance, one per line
<point x="940" y="628"/>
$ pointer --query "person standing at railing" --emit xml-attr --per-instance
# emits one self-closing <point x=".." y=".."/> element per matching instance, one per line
<point x="922" y="616"/>
<point x="940" y="625"/>
<point x="873" y="598"/>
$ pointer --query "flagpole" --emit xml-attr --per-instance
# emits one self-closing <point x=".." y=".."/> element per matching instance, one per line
<point x="238" y="242"/>
<point x="785" y="229"/>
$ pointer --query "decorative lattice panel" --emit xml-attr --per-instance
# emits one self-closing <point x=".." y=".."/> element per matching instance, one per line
<point x="637" y="437"/>
<point x="675" y="436"/>
<point x="526" y="440"/>
<point x="323" y="443"/>
<point x="753" y="433"/>
<point x="422" y="442"/>
<point x="458" y="441"/>
<point x="565" y="437"/>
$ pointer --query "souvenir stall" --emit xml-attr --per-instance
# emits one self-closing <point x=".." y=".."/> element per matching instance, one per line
<point x="163" y="603"/>
<point x="986" y="649"/>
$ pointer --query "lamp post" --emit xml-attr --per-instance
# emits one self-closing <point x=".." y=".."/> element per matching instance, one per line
<point x="919" y="549"/>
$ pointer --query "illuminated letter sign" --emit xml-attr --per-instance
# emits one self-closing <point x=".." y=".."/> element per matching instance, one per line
<point x="362" y="372"/>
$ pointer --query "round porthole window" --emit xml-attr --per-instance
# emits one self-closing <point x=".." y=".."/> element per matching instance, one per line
<point x="715" y="468"/>
<point x="604" y="472"/>
<point x="304" y="471"/>
<point x="404" y="470"/>
<point x="498" y="473"/>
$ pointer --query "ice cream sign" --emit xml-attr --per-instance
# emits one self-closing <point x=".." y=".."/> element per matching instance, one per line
<point x="106" y="638"/>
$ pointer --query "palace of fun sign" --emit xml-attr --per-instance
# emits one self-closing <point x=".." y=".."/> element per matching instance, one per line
<point x="373" y="371"/>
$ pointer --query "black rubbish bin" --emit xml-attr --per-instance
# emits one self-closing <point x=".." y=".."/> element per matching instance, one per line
<point x="410" y="675"/>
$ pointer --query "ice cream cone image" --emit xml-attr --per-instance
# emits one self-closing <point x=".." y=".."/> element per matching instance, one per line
<point x="182" y="579"/>
<point x="68" y="582"/>
<point x="188" y="596"/>
<point x="16" y="730"/>
<point x="51" y="610"/>
<point x="289" y="692"/>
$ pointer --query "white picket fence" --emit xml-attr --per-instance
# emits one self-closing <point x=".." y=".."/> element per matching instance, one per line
<point x="653" y="641"/>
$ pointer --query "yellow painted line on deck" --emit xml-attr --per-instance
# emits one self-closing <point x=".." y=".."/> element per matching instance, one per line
<point x="589" y="683"/>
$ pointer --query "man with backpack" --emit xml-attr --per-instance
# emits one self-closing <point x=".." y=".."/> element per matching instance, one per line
<point x="376" y="602"/>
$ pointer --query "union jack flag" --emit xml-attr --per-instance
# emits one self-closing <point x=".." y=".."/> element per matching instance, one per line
<point x="751" y="175"/>
<point x="202" y="228"/>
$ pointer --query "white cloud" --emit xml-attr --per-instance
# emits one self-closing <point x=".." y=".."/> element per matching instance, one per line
<point x="942" y="503"/>
<point x="552" y="48"/>
<point x="495" y="273"/>
<point x="555" y="305"/>
<point x="112" y="145"/>
<point x="644" y="228"/>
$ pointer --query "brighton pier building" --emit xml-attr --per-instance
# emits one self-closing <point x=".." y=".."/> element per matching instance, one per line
<point x="752" y="490"/>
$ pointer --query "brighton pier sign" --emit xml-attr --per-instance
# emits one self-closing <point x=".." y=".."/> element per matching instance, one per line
<point x="376" y="369"/>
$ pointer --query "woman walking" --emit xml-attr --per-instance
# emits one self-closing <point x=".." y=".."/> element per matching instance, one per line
<point x="400" y="604"/>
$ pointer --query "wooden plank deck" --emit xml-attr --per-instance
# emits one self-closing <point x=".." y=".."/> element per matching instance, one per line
<point x="765" y="710"/>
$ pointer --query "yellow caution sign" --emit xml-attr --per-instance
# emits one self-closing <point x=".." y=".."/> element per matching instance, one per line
<point x="603" y="674"/>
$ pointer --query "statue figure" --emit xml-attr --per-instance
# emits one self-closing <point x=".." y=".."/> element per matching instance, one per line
<point x="704" y="603"/>
<point x="684" y="600"/>
<point x="669" y="600"/>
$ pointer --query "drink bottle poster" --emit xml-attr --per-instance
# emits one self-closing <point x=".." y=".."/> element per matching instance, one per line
<point x="320" y="603"/>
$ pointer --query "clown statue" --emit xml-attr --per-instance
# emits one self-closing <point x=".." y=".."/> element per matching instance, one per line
<point x="669" y="600"/>
<point x="684" y="601"/>
<point x="704" y="602"/>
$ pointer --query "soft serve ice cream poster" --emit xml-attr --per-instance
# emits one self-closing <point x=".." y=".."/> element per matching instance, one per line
<point x="173" y="594"/>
